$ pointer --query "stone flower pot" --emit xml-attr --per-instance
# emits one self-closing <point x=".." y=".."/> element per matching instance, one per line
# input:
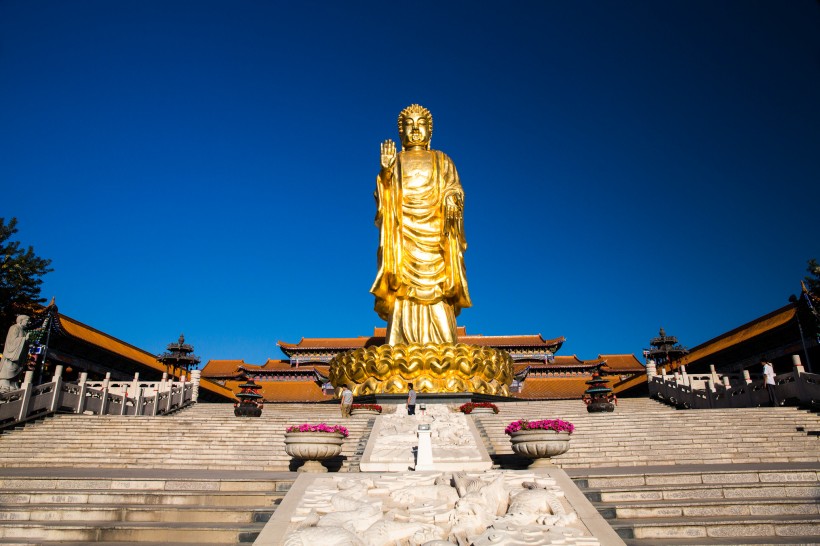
<point x="539" y="445"/>
<point x="313" y="447"/>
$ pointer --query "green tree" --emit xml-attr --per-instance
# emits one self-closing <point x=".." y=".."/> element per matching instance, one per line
<point x="20" y="276"/>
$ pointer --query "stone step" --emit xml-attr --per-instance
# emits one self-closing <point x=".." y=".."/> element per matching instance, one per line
<point x="806" y="506"/>
<point x="702" y="527"/>
<point x="96" y="531"/>
<point x="711" y="474"/>
<point x="704" y="491"/>
<point x="134" y="513"/>
<point x="732" y="541"/>
<point x="158" y="498"/>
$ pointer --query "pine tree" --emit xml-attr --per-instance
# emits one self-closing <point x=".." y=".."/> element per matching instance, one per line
<point x="20" y="276"/>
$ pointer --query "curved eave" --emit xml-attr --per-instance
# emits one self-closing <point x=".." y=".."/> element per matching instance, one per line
<point x="739" y="335"/>
<point x="86" y="334"/>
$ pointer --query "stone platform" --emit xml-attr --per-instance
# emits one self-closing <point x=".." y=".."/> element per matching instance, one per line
<point x="453" y="438"/>
<point x="437" y="508"/>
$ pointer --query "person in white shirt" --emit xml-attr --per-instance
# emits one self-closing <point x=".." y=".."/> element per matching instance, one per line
<point x="768" y="372"/>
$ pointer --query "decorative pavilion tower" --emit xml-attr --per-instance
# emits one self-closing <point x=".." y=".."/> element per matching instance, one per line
<point x="250" y="401"/>
<point x="179" y="356"/>
<point x="598" y="397"/>
<point x="664" y="349"/>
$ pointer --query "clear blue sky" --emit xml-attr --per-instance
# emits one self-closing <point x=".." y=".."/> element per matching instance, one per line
<point x="208" y="167"/>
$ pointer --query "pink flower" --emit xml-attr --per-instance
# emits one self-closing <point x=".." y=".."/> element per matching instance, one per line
<point x="373" y="407"/>
<point x="321" y="427"/>
<point x="545" y="424"/>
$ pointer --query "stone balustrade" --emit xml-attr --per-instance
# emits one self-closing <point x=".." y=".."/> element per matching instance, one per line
<point x="95" y="397"/>
<point x="713" y="390"/>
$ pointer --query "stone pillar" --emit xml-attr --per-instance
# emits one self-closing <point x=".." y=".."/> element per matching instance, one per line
<point x="424" y="453"/>
<point x="798" y="364"/>
<point x="28" y="378"/>
<point x="746" y="377"/>
<point x="195" y="377"/>
<point x="684" y="375"/>
<point x="651" y="370"/>
<point x="135" y="386"/>
<point x="712" y="371"/>
<point x="726" y="382"/>
<point x="83" y="389"/>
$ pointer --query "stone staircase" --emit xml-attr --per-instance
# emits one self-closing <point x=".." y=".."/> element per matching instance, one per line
<point x="772" y="503"/>
<point x="205" y="436"/>
<point x="201" y="476"/>
<point x="644" y="432"/>
<point x="664" y="477"/>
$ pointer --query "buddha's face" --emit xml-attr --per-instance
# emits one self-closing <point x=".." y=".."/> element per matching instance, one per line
<point x="415" y="131"/>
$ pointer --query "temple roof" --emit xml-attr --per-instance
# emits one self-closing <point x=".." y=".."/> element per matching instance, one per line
<point x="741" y="334"/>
<point x="91" y="336"/>
<point x="553" y="388"/>
<point x="286" y="391"/>
<point x="622" y="363"/>
<point x="534" y="341"/>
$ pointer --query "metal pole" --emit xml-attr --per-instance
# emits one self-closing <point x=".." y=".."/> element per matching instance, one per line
<point x="45" y="350"/>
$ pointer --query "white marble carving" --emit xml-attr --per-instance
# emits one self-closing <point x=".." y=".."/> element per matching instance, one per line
<point x="435" y="509"/>
<point x="453" y="440"/>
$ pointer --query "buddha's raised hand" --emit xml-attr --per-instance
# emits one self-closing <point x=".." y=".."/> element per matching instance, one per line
<point x="388" y="154"/>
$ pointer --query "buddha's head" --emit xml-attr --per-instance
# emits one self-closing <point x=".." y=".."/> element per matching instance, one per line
<point x="415" y="127"/>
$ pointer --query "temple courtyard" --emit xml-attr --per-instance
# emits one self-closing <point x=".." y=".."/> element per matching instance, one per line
<point x="643" y="474"/>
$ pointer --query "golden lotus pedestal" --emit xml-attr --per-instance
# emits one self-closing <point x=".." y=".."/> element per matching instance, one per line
<point x="431" y="368"/>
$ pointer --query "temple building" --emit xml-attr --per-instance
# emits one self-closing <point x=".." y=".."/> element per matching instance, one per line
<point x="776" y="336"/>
<point x="79" y="348"/>
<point x="539" y="373"/>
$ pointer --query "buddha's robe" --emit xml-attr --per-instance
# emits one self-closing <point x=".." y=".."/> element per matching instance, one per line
<point x="420" y="286"/>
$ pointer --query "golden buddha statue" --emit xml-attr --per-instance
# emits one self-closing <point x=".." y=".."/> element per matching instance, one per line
<point x="420" y="286"/>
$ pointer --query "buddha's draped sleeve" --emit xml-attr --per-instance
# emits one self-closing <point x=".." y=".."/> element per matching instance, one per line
<point x="388" y="211"/>
<point x="455" y="243"/>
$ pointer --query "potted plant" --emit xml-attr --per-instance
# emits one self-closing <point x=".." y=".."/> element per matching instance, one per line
<point x="478" y="408"/>
<point x="365" y="409"/>
<point x="540" y="440"/>
<point x="314" y="443"/>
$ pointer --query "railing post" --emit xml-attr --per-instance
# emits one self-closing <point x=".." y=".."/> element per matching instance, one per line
<point x="57" y="393"/>
<point x="195" y="377"/>
<point x="798" y="364"/>
<point x="726" y="382"/>
<point x="710" y="393"/>
<point x="714" y="374"/>
<point x="25" y="400"/>
<point x="104" y="401"/>
<point x="83" y="389"/>
<point x="182" y="382"/>
<point x="746" y="377"/>
<point x="802" y="393"/>
<point x="685" y="376"/>
<point x="135" y="384"/>
<point x="138" y="401"/>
